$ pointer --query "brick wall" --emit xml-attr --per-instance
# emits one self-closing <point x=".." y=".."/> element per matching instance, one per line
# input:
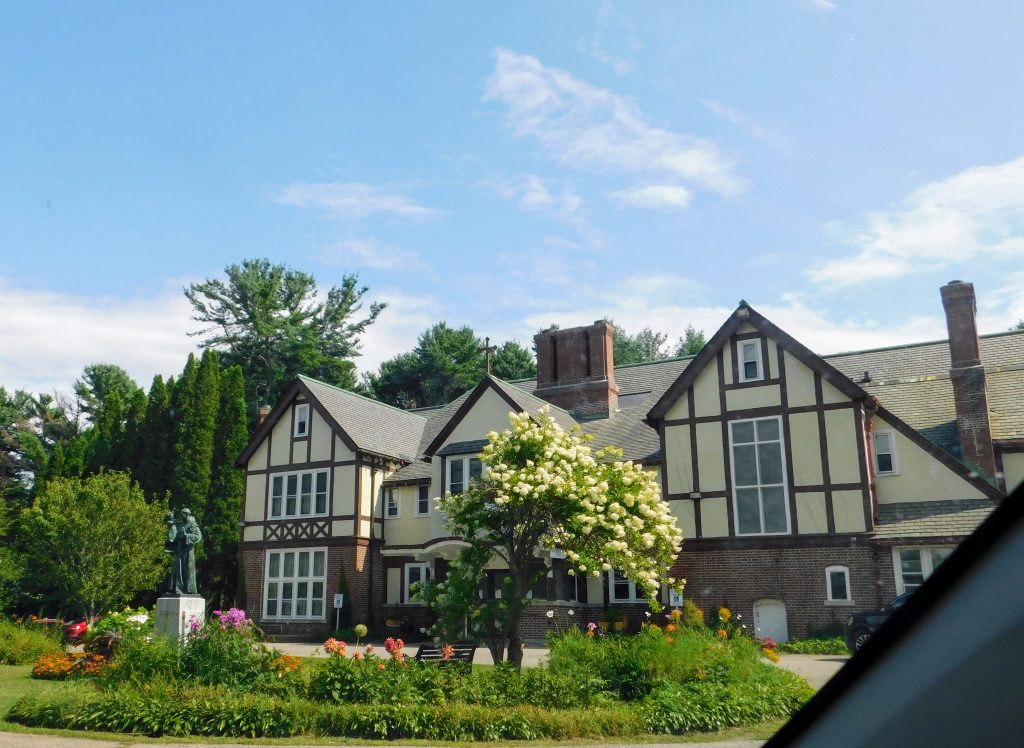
<point x="576" y="369"/>
<point x="796" y="576"/>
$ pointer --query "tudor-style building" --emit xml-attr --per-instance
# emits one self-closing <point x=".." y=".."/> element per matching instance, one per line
<point x="807" y="487"/>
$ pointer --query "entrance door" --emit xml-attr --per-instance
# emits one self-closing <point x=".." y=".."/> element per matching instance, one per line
<point x="770" y="620"/>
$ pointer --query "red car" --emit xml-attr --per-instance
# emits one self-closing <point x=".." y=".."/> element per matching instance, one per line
<point x="75" y="631"/>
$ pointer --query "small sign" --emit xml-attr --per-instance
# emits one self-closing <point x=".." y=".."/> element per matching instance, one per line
<point x="339" y="601"/>
<point x="675" y="599"/>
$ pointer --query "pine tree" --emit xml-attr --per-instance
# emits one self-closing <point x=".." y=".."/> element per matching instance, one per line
<point x="134" y="444"/>
<point x="107" y="434"/>
<point x="227" y="489"/>
<point x="195" y="438"/>
<point x="157" y="464"/>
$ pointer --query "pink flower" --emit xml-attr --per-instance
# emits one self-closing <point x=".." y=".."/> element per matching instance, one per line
<point x="591" y="626"/>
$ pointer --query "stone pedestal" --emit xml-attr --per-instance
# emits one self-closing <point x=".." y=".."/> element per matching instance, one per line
<point x="174" y="615"/>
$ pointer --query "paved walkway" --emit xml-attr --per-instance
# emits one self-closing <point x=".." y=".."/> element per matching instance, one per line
<point x="817" y="669"/>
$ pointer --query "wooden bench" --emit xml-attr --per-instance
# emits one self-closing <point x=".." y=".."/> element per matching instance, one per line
<point x="462" y="654"/>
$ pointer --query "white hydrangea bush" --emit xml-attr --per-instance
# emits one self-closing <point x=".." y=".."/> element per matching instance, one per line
<point x="604" y="513"/>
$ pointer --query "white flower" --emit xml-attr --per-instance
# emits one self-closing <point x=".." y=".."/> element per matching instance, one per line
<point x="572" y="612"/>
<point x="550" y="614"/>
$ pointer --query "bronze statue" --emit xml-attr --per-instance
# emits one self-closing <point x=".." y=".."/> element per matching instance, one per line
<point x="182" y="538"/>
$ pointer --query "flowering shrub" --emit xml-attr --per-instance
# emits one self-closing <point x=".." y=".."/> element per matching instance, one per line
<point x="545" y="488"/>
<point x="227" y="651"/>
<point x="62" y="666"/>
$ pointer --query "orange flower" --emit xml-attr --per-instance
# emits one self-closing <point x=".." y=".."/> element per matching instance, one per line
<point x="669" y="639"/>
<point x="380" y="666"/>
<point x="670" y="628"/>
<point x="721" y="633"/>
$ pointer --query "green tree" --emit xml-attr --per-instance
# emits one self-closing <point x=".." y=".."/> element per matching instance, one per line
<point x="96" y="541"/>
<point x="513" y="361"/>
<point x="159" y="455"/>
<point x="107" y="434"/>
<point x="1018" y="326"/>
<point x="691" y="342"/>
<point x="99" y="383"/>
<point x="446" y="362"/>
<point x="266" y="318"/>
<point x="133" y="445"/>
<point x="22" y="453"/>
<point x="545" y="490"/>
<point x="646" y="345"/>
<point x="200" y="402"/>
<point x="227" y="490"/>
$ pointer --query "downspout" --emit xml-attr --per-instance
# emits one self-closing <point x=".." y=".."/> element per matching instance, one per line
<point x="869" y="452"/>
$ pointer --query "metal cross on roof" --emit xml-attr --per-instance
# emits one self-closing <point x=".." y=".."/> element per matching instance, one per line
<point x="486" y="350"/>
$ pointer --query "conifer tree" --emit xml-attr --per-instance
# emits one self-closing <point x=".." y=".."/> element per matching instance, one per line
<point x="157" y="464"/>
<point x="107" y="433"/>
<point x="198" y="422"/>
<point x="133" y="446"/>
<point x="227" y="489"/>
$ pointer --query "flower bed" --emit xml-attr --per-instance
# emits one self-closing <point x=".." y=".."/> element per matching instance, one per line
<point x="222" y="681"/>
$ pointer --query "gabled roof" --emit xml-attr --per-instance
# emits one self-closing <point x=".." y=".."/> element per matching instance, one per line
<point x="518" y="400"/>
<point x="746" y="313"/>
<point x="363" y="424"/>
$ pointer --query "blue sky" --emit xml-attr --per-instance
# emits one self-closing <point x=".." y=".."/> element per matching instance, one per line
<point x="507" y="166"/>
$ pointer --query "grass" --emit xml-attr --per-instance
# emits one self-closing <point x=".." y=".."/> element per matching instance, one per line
<point x="16" y="681"/>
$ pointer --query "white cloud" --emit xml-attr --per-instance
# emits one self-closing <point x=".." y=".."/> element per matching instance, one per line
<point x="655" y="197"/>
<point x="773" y="138"/>
<point x="370" y="253"/>
<point x="350" y="200"/>
<point x="596" y="50"/>
<point x="47" y="338"/>
<point x="974" y="216"/>
<point x="532" y="193"/>
<point x="583" y="126"/>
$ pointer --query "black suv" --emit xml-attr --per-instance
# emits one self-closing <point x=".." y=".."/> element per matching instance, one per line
<point x="862" y="625"/>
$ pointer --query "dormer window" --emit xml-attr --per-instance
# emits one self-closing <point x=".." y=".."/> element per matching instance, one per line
<point x="302" y="420"/>
<point x="461" y="471"/>
<point x="750" y="361"/>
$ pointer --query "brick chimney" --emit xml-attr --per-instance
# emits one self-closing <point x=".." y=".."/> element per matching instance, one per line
<point x="262" y="413"/>
<point x="576" y="370"/>
<point x="968" y="376"/>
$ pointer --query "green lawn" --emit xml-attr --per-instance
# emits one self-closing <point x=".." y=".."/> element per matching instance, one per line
<point x="16" y="681"/>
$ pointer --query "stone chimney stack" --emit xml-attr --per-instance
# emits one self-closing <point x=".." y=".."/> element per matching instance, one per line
<point x="263" y="412"/>
<point x="576" y="370"/>
<point x="968" y="376"/>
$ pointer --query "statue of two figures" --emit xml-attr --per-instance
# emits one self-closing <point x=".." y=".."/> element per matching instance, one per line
<point x="183" y="535"/>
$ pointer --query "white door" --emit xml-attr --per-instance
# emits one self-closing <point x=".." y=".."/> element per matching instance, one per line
<point x="770" y="620"/>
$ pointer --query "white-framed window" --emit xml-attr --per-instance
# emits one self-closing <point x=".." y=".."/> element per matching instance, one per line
<point x="295" y="584"/>
<point x="423" y="500"/>
<point x="414" y="574"/>
<point x="302" y="420"/>
<point x="759" y="476"/>
<point x="300" y="494"/>
<point x="462" y="470"/>
<point x="622" y="590"/>
<point x="392" y="507"/>
<point x="837" y="585"/>
<point x="884" y="448"/>
<point x="750" y="366"/>
<point x="916" y="564"/>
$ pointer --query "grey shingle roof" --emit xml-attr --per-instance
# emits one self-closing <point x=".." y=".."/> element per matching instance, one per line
<point x="530" y="403"/>
<point x="927" y="519"/>
<point x="464" y="448"/>
<point x="373" y="426"/>
<point x="913" y="382"/>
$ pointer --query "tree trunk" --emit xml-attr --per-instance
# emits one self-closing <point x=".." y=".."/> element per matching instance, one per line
<point x="515" y="612"/>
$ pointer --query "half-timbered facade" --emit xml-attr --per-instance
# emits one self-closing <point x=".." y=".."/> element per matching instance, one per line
<point x="807" y="487"/>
